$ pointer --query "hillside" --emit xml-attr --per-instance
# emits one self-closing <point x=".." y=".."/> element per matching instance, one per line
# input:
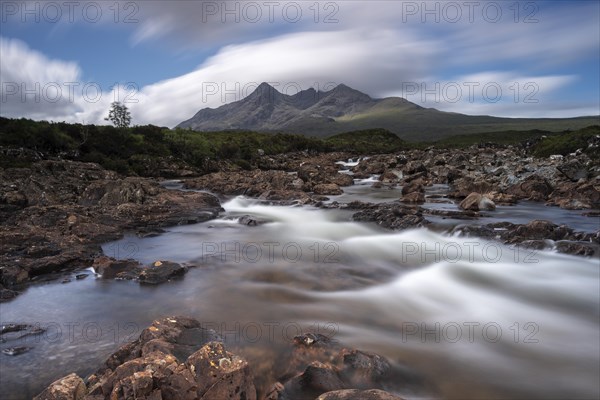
<point x="344" y="109"/>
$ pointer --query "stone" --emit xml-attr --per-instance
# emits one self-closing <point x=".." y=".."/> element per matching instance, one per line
<point x="330" y="189"/>
<point x="573" y="170"/>
<point x="71" y="387"/>
<point x="109" y="268"/>
<point x="477" y="202"/>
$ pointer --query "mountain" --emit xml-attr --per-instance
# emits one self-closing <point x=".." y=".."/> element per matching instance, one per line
<point x="344" y="109"/>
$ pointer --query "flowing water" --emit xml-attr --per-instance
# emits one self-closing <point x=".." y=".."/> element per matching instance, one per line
<point x="473" y="319"/>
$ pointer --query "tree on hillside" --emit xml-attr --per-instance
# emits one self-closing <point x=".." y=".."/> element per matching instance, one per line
<point x="119" y="115"/>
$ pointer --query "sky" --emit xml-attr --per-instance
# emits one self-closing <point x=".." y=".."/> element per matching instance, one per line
<point x="166" y="60"/>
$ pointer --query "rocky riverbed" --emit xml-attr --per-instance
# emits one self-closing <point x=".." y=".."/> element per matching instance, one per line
<point x="56" y="215"/>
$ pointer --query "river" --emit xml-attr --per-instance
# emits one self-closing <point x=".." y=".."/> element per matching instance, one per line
<point x="474" y="319"/>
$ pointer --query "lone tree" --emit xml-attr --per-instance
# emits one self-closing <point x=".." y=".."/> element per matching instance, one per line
<point x="119" y="115"/>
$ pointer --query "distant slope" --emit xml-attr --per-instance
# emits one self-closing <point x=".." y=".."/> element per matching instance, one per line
<point x="344" y="109"/>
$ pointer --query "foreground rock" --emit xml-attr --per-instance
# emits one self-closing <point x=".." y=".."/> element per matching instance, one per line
<point x="55" y="215"/>
<point x="71" y="387"/>
<point x="176" y="358"/>
<point x="318" y="366"/>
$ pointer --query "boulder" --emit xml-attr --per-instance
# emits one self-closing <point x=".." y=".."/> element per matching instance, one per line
<point x="330" y="189"/>
<point x="573" y="170"/>
<point x="109" y="267"/>
<point x="414" y="197"/>
<point x="71" y="387"/>
<point x="477" y="202"/>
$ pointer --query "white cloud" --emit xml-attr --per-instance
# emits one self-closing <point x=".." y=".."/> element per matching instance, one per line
<point x="28" y="80"/>
<point x="35" y="86"/>
<point x="367" y="61"/>
<point x="497" y="93"/>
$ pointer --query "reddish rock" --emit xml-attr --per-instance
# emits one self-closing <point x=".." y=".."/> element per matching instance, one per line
<point x="71" y="387"/>
<point x="477" y="202"/>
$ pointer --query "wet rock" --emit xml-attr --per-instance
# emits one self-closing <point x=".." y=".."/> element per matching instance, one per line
<point x="341" y="179"/>
<point x="7" y="294"/>
<point x="71" y="387"/>
<point x="477" y="202"/>
<point x="174" y="358"/>
<point x="585" y="249"/>
<point x="392" y="216"/>
<point x="154" y="274"/>
<point x="501" y="198"/>
<point x="15" y="351"/>
<point x="72" y="208"/>
<point x="362" y="369"/>
<point x="249" y="220"/>
<point x="330" y="189"/>
<point x="390" y="176"/>
<point x="160" y="272"/>
<point x="414" y="198"/>
<point x="355" y="394"/>
<point x="220" y="374"/>
<point x="316" y="379"/>
<point x="109" y="268"/>
<point x="416" y="185"/>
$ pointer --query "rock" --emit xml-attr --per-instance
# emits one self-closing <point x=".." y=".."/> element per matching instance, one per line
<point x="249" y="220"/>
<point x="14" y="198"/>
<point x="330" y="189"/>
<point x="464" y="186"/>
<point x="585" y="249"/>
<point x="72" y="208"/>
<point x="174" y="358"/>
<point x="573" y="170"/>
<point x="414" y="186"/>
<point x="571" y="195"/>
<point x="355" y="394"/>
<point x="362" y="369"/>
<point x="316" y="379"/>
<point x="390" y="176"/>
<point x="160" y="272"/>
<point x="477" y="202"/>
<point x="341" y="179"/>
<point x="15" y="351"/>
<point x="414" y="197"/>
<point x="533" y="188"/>
<point x="109" y="268"/>
<point x="71" y="387"/>
<point x="392" y="216"/>
<point x="220" y="374"/>
<point x="501" y="198"/>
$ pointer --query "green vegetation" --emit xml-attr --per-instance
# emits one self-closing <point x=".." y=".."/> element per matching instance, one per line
<point x="132" y="150"/>
<point x="370" y="141"/>
<point x="569" y="142"/>
<point x="140" y="149"/>
<point x="504" y="138"/>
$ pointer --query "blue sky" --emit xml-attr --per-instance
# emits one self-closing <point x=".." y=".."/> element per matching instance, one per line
<point x="504" y="58"/>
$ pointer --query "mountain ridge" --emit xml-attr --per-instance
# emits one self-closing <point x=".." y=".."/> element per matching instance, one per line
<point x="343" y="109"/>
